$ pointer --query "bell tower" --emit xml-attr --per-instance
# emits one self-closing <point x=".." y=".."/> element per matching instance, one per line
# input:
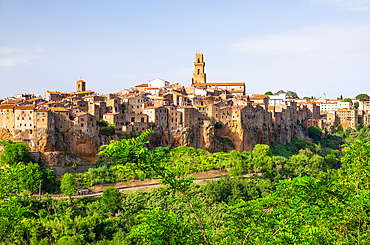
<point x="199" y="76"/>
<point x="81" y="85"/>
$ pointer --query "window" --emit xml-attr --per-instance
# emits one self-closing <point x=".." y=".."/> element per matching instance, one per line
<point x="132" y="119"/>
<point x="82" y="124"/>
<point x="198" y="71"/>
<point x="142" y="119"/>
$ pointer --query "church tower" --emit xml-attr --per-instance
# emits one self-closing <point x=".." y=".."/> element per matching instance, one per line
<point x="81" y="85"/>
<point x="199" y="76"/>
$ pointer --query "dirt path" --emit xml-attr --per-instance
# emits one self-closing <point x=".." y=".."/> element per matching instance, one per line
<point x="202" y="178"/>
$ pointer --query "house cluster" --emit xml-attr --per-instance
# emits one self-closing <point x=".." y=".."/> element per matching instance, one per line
<point x="334" y="112"/>
<point x="169" y="106"/>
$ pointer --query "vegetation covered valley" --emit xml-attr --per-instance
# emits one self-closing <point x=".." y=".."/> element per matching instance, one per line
<point x="301" y="193"/>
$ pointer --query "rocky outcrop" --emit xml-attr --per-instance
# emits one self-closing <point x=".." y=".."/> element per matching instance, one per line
<point x="232" y="135"/>
<point x="75" y="146"/>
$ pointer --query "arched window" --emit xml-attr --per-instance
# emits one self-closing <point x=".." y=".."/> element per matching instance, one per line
<point x="198" y="71"/>
<point x="198" y="60"/>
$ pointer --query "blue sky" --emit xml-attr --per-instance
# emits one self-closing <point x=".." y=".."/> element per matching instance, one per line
<point x="307" y="46"/>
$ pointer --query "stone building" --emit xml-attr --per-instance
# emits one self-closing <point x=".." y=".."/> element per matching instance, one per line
<point x="199" y="76"/>
<point x="114" y="105"/>
<point x="157" y="115"/>
<point x="86" y="123"/>
<point x="62" y="121"/>
<point x="118" y="119"/>
<point x="81" y="86"/>
<point x="348" y="118"/>
<point x="45" y="119"/>
<point x="24" y="117"/>
<point x="7" y="116"/>
<point x="134" y="104"/>
<point x="190" y="116"/>
<point x="174" y="117"/>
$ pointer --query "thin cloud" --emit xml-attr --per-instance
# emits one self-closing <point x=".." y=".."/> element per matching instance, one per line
<point x="16" y="61"/>
<point x="353" y="5"/>
<point x="7" y="51"/>
<point x="316" y="41"/>
<point x="15" y="56"/>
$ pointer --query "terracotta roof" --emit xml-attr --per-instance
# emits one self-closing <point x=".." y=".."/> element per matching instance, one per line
<point x="7" y="106"/>
<point x="25" y="107"/>
<point x="85" y="92"/>
<point x="239" y="106"/>
<point x="218" y="84"/>
<point x="43" y="110"/>
<point x="80" y="114"/>
<point x="142" y="85"/>
<point x="152" y="107"/>
<point x="258" y="96"/>
<point x="59" y="109"/>
<point x="50" y="92"/>
<point x="33" y="99"/>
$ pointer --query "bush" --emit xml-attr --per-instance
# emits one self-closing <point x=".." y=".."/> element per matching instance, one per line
<point x="314" y="132"/>
<point x="218" y="125"/>
<point x="109" y="131"/>
<point x="16" y="152"/>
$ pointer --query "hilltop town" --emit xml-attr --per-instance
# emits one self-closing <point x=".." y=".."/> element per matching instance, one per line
<point x="218" y="116"/>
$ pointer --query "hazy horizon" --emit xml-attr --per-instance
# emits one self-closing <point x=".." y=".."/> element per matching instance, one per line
<point x="306" y="46"/>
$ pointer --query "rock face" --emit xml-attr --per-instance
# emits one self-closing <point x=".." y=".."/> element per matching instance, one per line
<point x="60" y="148"/>
<point x="231" y="136"/>
<point x="75" y="146"/>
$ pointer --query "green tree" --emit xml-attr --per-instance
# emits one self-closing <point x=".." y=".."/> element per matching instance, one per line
<point x="278" y="92"/>
<point x="356" y="105"/>
<point x="362" y="97"/>
<point x="30" y="177"/>
<point x="110" y="200"/>
<point x="68" y="185"/>
<point x="160" y="227"/>
<point x="102" y="123"/>
<point x="131" y="153"/>
<point x="70" y="240"/>
<point x="269" y="93"/>
<point x="16" y="152"/>
<point x="291" y="95"/>
<point x="11" y="209"/>
<point x="49" y="181"/>
<point x="314" y="132"/>
<point x="348" y="100"/>
<point x="218" y="125"/>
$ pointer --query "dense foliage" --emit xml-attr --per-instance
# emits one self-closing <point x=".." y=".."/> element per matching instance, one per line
<point x="304" y="193"/>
